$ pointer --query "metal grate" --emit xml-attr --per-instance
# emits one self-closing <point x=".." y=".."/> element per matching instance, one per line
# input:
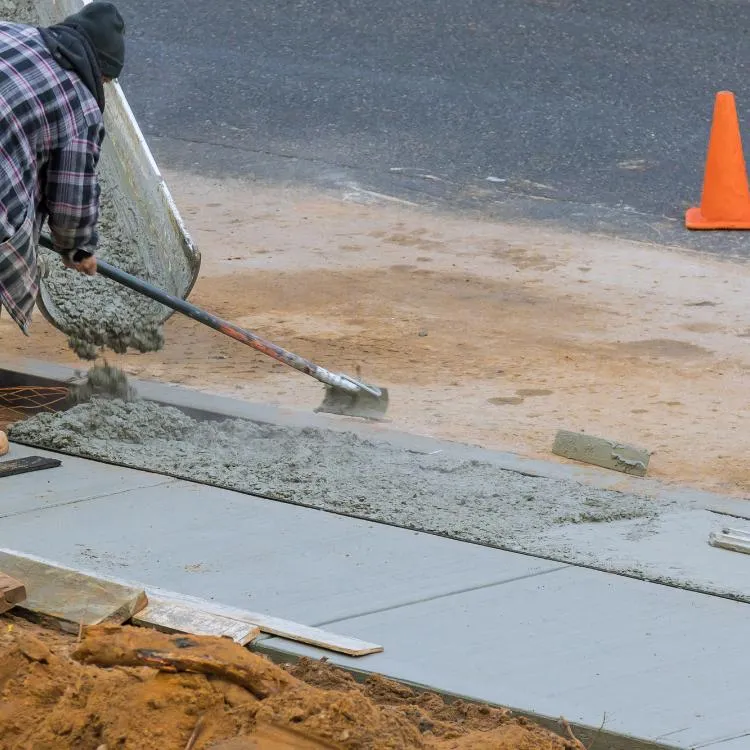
<point x="20" y="401"/>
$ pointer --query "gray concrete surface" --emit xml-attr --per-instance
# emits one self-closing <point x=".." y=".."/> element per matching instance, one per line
<point x="590" y="114"/>
<point x="68" y="484"/>
<point x="554" y="639"/>
<point x="673" y="548"/>
<point x="667" y="541"/>
<point x="221" y="545"/>
<point x="649" y="661"/>
<point x="443" y="494"/>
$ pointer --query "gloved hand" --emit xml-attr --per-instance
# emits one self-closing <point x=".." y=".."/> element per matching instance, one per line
<point x="81" y="261"/>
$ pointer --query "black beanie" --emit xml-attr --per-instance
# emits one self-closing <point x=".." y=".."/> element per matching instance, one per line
<point x="102" y="24"/>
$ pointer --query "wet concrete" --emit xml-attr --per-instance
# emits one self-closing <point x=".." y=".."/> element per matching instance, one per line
<point x="95" y="312"/>
<point x="104" y="381"/>
<point x="336" y="471"/>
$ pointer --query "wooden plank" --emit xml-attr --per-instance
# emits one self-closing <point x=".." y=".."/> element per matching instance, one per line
<point x="11" y="592"/>
<point x="735" y="540"/>
<point x="70" y="599"/>
<point x="277" y="626"/>
<point x="173" y="617"/>
<point x="272" y="625"/>
<point x="26" y="464"/>
<point x="293" y="631"/>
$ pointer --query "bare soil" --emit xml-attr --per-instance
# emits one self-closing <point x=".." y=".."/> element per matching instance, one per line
<point x="136" y="689"/>
<point x="485" y="333"/>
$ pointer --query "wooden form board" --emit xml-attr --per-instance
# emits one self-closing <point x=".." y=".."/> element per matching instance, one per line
<point x="68" y="598"/>
<point x="736" y="540"/>
<point x="23" y="465"/>
<point x="173" y="617"/>
<point x="84" y="599"/>
<point x="12" y="592"/>
<point x="277" y="626"/>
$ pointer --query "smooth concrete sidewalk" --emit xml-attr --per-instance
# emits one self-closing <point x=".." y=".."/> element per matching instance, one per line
<point x="661" y="663"/>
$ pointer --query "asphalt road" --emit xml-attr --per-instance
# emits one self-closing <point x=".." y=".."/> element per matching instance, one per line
<point x="601" y="107"/>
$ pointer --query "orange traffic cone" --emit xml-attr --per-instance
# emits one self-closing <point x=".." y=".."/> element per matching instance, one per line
<point x="725" y="203"/>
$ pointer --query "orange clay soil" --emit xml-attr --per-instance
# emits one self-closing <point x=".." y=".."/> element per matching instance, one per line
<point x="136" y="688"/>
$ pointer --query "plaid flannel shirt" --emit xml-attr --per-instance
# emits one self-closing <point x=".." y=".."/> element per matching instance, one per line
<point x="51" y="132"/>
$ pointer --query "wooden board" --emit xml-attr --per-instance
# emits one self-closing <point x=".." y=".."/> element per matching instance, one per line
<point x="11" y="592"/>
<point x="735" y="540"/>
<point x="70" y="599"/>
<point x="293" y="631"/>
<point x="81" y="588"/>
<point x="173" y="617"/>
<point x="26" y="464"/>
<point x="277" y="626"/>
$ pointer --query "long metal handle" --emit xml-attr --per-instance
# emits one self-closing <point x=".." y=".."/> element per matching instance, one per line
<point x="344" y="382"/>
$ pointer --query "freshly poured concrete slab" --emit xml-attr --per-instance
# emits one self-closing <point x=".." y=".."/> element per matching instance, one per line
<point x="72" y="482"/>
<point x="651" y="661"/>
<point x="460" y="492"/>
<point x="476" y="621"/>
<point x="736" y="743"/>
<point x="672" y="548"/>
<point x="257" y="554"/>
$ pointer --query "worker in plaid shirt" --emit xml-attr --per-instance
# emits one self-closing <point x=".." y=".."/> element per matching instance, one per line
<point x="51" y="132"/>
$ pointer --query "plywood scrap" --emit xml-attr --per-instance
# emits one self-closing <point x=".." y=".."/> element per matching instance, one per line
<point x="12" y="592"/>
<point x="68" y="598"/>
<point x="292" y="631"/>
<point x="736" y="540"/>
<point x="173" y="617"/>
<point x="26" y="464"/>
<point x="112" y="646"/>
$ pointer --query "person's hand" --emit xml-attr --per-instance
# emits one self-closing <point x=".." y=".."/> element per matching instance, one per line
<point x="86" y="266"/>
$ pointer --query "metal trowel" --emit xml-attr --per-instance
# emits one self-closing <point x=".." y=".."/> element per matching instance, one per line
<point x="344" y="395"/>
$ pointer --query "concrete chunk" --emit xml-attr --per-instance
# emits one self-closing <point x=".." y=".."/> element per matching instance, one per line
<point x="608" y="454"/>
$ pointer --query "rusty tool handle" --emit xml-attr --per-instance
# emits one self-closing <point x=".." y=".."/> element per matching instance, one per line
<point x="343" y="382"/>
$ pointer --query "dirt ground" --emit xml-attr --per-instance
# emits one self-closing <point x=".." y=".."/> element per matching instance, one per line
<point x="135" y="689"/>
<point x="485" y="333"/>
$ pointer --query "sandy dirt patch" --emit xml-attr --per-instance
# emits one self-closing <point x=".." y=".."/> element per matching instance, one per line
<point x="485" y="333"/>
<point x="131" y="688"/>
